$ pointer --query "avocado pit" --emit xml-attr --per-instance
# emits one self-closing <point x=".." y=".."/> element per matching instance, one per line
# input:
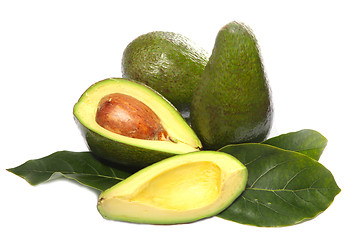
<point x="127" y="116"/>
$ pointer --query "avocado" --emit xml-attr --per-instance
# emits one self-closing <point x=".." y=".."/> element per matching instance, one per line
<point x="168" y="62"/>
<point x="183" y="188"/>
<point x="232" y="103"/>
<point x="130" y="124"/>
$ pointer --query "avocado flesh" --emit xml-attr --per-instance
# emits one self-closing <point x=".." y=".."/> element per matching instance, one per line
<point x="232" y="103"/>
<point x="179" y="189"/>
<point x="168" y="62"/>
<point x="125" y="150"/>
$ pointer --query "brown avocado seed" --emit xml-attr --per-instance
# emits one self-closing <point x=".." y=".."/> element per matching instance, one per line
<point x="127" y="116"/>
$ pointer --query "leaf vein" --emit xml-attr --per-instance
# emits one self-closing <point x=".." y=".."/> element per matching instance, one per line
<point x="292" y="178"/>
<point x="289" y="190"/>
<point x="114" y="174"/>
<point x="315" y="182"/>
<point x="69" y="165"/>
<point x="254" y="160"/>
<point x="286" y="201"/>
<point x="302" y="199"/>
<point x="267" y="171"/>
<point x="264" y="205"/>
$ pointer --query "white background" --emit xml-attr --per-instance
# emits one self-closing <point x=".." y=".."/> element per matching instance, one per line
<point x="51" y="51"/>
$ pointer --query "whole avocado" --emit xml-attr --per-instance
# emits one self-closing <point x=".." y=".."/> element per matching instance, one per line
<point x="168" y="62"/>
<point x="232" y="103"/>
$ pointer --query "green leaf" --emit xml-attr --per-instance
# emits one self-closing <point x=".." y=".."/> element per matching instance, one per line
<point x="80" y="166"/>
<point x="284" y="187"/>
<point x="307" y="141"/>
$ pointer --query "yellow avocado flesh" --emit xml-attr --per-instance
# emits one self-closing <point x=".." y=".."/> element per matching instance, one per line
<point x="193" y="180"/>
<point x="180" y="189"/>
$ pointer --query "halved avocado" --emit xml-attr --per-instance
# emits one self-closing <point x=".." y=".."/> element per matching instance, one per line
<point x="179" y="189"/>
<point x="130" y="150"/>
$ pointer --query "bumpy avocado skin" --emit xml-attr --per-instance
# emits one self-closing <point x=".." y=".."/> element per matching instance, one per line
<point x="168" y="62"/>
<point x="232" y="103"/>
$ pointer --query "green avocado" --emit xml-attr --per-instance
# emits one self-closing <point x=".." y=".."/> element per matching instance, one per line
<point x="179" y="189"/>
<point x="128" y="123"/>
<point x="232" y="103"/>
<point x="168" y="62"/>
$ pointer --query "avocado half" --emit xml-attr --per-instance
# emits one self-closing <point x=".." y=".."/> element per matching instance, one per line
<point x="179" y="189"/>
<point x="129" y="151"/>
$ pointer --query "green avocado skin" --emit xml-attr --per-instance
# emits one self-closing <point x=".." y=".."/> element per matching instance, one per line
<point x="120" y="154"/>
<point x="168" y="62"/>
<point x="232" y="103"/>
